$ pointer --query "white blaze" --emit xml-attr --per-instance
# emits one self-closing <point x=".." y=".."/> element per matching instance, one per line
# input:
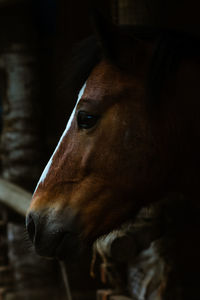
<point x="46" y="170"/>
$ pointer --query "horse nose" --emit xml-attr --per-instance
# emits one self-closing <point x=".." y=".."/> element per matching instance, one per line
<point x="31" y="226"/>
<point x="54" y="235"/>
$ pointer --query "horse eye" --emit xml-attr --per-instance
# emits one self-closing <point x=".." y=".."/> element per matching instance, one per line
<point x="86" y="120"/>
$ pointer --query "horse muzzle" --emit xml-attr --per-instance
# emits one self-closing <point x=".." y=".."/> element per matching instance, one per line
<point x="54" y="236"/>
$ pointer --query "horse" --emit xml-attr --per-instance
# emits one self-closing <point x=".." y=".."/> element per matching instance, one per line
<point x="132" y="138"/>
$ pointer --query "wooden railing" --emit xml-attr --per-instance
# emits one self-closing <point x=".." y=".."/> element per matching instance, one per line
<point x="14" y="197"/>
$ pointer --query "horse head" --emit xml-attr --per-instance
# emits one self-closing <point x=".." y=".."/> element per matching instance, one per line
<point x="117" y="153"/>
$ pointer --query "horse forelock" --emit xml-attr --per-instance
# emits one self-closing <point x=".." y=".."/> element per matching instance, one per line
<point x="170" y="47"/>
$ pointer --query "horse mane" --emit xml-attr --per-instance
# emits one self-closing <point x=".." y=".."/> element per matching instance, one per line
<point x="78" y="66"/>
<point x="171" y="48"/>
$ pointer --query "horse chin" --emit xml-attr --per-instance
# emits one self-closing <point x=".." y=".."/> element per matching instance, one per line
<point x="69" y="251"/>
<point x="64" y="246"/>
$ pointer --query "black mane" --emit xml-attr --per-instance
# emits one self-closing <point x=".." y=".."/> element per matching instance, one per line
<point x="78" y="67"/>
<point x="171" y="48"/>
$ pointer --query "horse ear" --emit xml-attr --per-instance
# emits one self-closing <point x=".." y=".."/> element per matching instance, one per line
<point x="122" y="45"/>
<point x="107" y="33"/>
<point x="115" y="43"/>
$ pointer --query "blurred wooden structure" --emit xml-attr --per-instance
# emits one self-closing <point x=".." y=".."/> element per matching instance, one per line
<point x="14" y="197"/>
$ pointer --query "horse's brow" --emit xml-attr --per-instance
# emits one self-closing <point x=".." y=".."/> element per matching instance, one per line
<point x="87" y="100"/>
<point x="115" y="97"/>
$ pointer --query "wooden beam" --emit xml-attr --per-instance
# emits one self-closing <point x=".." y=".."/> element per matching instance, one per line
<point x="14" y="197"/>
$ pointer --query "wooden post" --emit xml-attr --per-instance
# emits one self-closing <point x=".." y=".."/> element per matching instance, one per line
<point x="20" y="140"/>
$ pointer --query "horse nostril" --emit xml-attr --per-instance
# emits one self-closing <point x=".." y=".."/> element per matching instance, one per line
<point x="31" y="227"/>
